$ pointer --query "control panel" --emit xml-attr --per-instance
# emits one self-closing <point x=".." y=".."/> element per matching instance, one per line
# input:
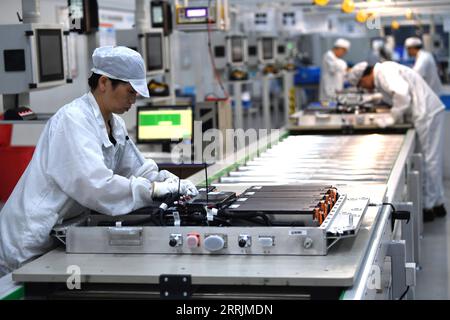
<point x="325" y="220"/>
<point x="195" y="15"/>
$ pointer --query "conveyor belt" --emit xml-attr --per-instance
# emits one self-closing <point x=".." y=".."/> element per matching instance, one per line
<point x="344" y="159"/>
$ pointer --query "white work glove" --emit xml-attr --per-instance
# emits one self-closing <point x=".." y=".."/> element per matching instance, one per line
<point x="163" y="175"/>
<point x="188" y="188"/>
<point x="170" y="186"/>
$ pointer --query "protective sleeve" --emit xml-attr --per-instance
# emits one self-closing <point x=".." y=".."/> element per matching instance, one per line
<point x="133" y="163"/>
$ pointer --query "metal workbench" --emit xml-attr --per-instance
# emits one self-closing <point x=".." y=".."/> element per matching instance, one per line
<point x="343" y="273"/>
<point x="320" y="123"/>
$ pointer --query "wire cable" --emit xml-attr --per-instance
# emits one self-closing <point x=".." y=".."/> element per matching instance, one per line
<point x="404" y="293"/>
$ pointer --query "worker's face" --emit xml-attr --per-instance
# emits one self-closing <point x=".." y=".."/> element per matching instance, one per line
<point x="339" y="52"/>
<point x="367" y="82"/>
<point x="120" y="98"/>
<point x="412" y="52"/>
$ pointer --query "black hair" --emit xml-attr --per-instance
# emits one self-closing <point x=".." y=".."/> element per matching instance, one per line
<point x="93" y="81"/>
<point x="367" y="71"/>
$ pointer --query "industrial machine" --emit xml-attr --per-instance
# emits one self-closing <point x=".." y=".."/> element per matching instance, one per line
<point x="155" y="49"/>
<point x="34" y="58"/>
<point x="220" y="51"/>
<point x="237" y="73"/>
<point x="287" y="55"/>
<point x="237" y="57"/>
<point x="83" y="15"/>
<point x="301" y="217"/>
<point x="351" y="111"/>
<point x="265" y="211"/>
<point x="151" y="38"/>
<point x="267" y="220"/>
<point x="200" y="15"/>
<point x="252" y="51"/>
<point x="267" y="54"/>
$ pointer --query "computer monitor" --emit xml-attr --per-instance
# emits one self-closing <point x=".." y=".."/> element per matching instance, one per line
<point x="154" y="52"/>
<point x="161" y="16"/>
<point x="157" y="16"/>
<point x="164" y="124"/>
<point x="50" y="54"/>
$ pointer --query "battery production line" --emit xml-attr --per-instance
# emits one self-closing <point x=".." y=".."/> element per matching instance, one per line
<point x="327" y="207"/>
<point x="316" y="227"/>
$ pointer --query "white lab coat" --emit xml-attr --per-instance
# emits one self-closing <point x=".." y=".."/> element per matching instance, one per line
<point x="426" y="67"/>
<point x="75" y="167"/>
<point x="332" y="76"/>
<point x="412" y="98"/>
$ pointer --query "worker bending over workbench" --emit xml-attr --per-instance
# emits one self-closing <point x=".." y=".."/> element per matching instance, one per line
<point x="412" y="100"/>
<point x="85" y="160"/>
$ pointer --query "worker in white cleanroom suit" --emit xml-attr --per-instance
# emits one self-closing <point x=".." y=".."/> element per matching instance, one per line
<point x="84" y="160"/>
<point x="412" y="98"/>
<point x="425" y="65"/>
<point x="333" y="70"/>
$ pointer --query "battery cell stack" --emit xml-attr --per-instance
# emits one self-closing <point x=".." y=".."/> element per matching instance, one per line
<point x="309" y="204"/>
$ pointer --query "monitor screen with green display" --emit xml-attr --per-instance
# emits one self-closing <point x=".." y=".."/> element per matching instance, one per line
<point x="168" y="124"/>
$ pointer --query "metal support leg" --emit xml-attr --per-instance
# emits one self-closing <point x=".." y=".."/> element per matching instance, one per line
<point x="403" y="274"/>
<point x="417" y="165"/>
<point x="407" y="229"/>
<point x="275" y="106"/>
<point x="237" y="92"/>
<point x="287" y="85"/>
<point x="266" y="101"/>
<point x="414" y="193"/>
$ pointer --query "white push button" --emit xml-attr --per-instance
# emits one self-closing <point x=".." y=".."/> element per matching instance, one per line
<point x="214" y="243"/>
<point x="266" y="241"/>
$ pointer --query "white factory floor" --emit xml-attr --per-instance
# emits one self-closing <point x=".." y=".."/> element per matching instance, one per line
<point x="433" y="280"/>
